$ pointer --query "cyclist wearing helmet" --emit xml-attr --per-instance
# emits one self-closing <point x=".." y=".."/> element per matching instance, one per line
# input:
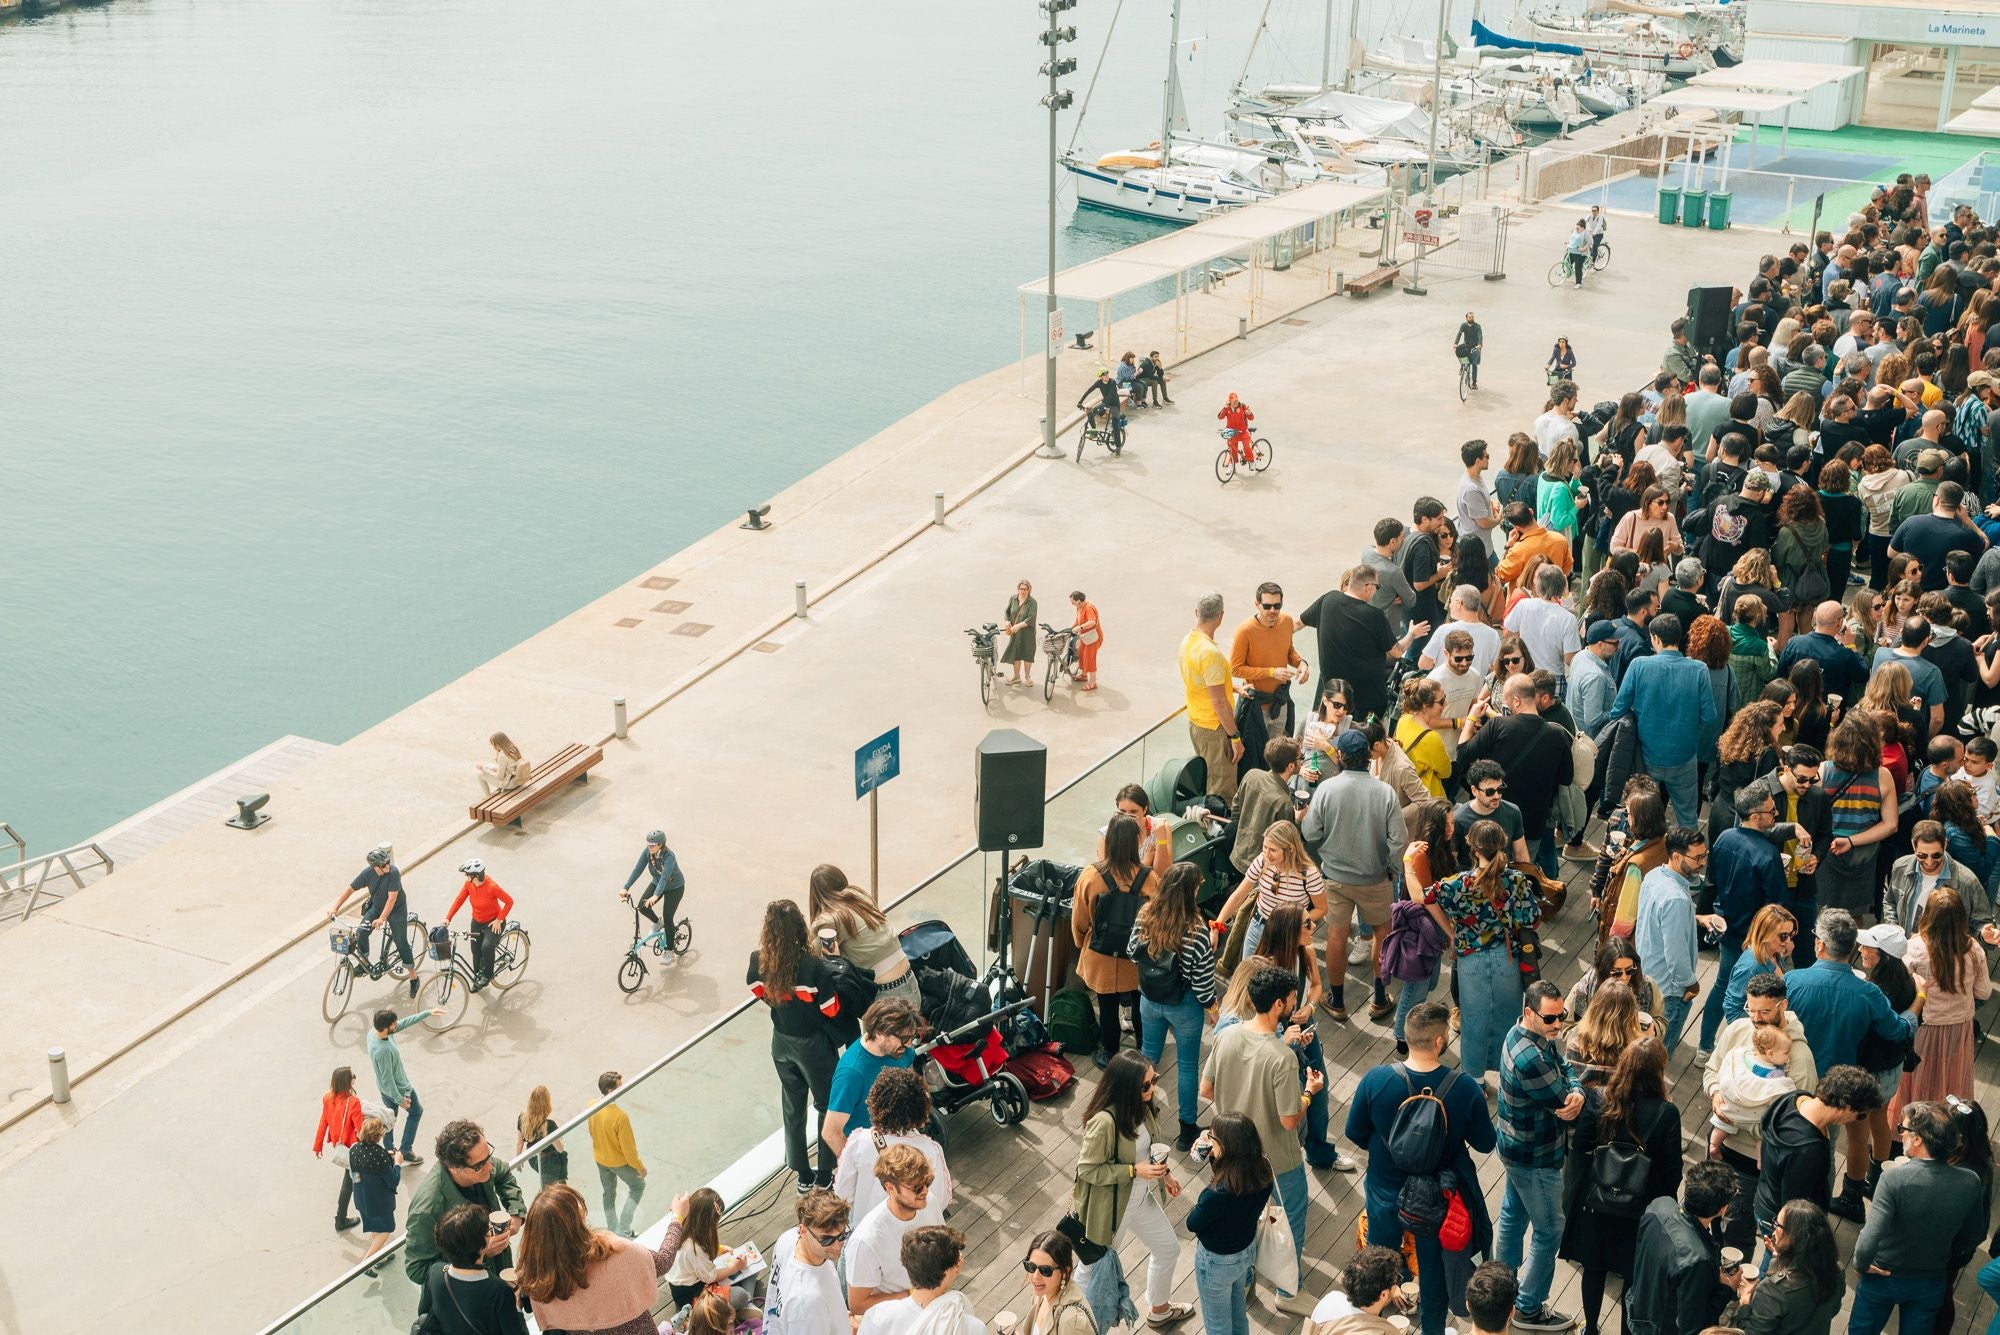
<point x="490" y="907"/>
<point x="383" y="885"/>
<point x="1106" y="390"/>
<point x="664" y="881"/>
<point x="1236" y="415"/>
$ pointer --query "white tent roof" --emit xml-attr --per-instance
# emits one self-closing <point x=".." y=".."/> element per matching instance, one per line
<point x="1978" y="120"/>
<point x="1776" y="76"/>
<point x="1164" y="256"/>
<point x="1726" y="99"/>
<point x="1988" y="100"/>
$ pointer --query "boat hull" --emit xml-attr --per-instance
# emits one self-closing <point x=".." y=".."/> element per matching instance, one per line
<point x="1108" y="191"/>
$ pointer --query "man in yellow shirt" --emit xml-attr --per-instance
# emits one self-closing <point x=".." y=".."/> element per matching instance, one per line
<point x="1263" y="658"/>
<point x="618" y="1160"/>
<point x="1211" y="700"/>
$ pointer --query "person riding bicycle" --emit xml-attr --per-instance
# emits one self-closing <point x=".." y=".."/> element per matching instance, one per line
<point x="664" y="882"/>
<point x="385" y="906"/>
<point x="1237" y="417"/>
<point x="1107" y="391"/>
<point x="1471" y="338"/>
<point x="1593" y="227"/>
<point x="1577" y="253"/>
<point x="490" y="907"/>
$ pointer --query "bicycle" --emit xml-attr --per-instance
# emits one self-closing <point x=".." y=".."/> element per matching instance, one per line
<point x="1559" y="272"/>
<point x="632" y="970"/>
<point x="349" y="963"/>
<point x="987" y="658"/>
<point x="1227" y="461"/>
<point x="1600" y="259"/>
<point x="449" y="989"/>
<point x="1060" y="646"/>
<point x="1464" y="376"/>
<point x="1112" y="437"/>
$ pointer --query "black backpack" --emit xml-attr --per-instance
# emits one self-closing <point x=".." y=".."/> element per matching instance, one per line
<point x="1115" y="914"/>
<point x="1160" y="978"/>
<point x="1419" y="1136"/>
<point x="1619" y="1171"/>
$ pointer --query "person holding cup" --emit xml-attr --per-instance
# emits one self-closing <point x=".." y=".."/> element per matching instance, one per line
<point x="1122" y="1177"/>
<point x="1800" y="1290"/>
<point x="461" y="1294"/>
<point x="1224" y="1221"/>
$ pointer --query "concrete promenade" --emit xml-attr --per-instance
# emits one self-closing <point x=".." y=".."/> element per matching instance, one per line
<point x="206" y="1117"/>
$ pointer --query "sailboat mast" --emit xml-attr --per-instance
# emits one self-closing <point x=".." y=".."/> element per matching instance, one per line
<point x="1326" y="53"/>
<point x="1173" y="78"/>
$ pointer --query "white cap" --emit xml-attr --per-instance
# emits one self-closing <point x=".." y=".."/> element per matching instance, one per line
<point x="1885" y="937"/>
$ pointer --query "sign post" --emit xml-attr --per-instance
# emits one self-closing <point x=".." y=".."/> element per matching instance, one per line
<point x="874" y="765"/>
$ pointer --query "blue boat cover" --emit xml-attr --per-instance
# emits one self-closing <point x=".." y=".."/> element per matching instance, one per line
<point x="1485" y="36"/>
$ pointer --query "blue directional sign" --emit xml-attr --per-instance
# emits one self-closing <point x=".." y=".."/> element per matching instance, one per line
<point x="878" y="762"/>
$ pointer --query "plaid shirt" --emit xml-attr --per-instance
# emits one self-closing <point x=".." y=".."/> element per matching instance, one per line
<point x="1534" y="1082"/>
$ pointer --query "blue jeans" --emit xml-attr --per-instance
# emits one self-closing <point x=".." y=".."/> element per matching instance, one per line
<point x="1290" y="1188"/>
<point x="1223" y="1283"/>
<point x="1253" y="932"/>
<point x="1320" y="1151"/>
<point x="1545" y="853"/>
<point x="1989" y="1283"/>
<point x="1681" y="786"/>
<point x="1489" y="997"/>
<point x="1919" y="1296"/>
<point x="1185" y="1018"/>
<point x="1412" y="996"/>
<point x="1533" y="1198"/>
<point x="620" y="1222"/>
<point x="1385" y="1229"/>
<point x="1711" y="1013"/>
<point x="1677" y="1014"/>
<point x="410" y="1117"/>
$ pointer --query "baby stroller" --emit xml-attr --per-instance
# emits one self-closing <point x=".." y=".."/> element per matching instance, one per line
<point x="960" y="1061"/>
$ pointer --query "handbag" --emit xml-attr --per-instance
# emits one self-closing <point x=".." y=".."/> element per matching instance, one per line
<point x="1277" y="1257"/>
<point x="338" y="1153"/>
<point x="1089" y="637"/>
<point x="1086" y="1251"/>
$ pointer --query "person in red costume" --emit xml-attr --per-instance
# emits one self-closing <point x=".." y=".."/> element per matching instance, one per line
<point x="1236" y="415"/>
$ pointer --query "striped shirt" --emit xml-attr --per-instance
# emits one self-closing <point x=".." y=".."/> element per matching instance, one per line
<point x="1857" y="800"/>
<point x="1278" y="889"/>
<point x="1195" y="960"/>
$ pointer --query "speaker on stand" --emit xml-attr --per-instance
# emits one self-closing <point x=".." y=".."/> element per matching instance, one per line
<point x="1708" y="329"/>
<point x="1010" y="775"/>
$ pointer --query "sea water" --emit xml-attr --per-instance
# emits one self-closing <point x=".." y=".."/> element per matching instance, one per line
<point x="345" y="343"/>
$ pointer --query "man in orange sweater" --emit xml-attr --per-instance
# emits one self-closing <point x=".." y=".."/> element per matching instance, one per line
<point x="1262" y="656"/>
<point x="1530" y="539"/>
<point x="490" y="907"/>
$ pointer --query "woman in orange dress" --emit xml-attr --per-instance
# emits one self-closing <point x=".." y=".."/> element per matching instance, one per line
<point x="1089" y="638"/>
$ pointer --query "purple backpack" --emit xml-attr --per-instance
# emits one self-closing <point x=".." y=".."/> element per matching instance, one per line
<point x="1411" y="949"/>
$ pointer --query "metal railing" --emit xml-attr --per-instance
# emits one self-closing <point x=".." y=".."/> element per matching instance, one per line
<point x="28" y="879"/>
<point x="355" y="1299"/>
<point x="14" y="838"/>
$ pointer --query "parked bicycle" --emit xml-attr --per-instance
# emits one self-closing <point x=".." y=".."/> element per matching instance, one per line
<point x="1104" y="427"/>
<point x="1253" y="453"/>
<point x="662" y="941"/>
<point x="1060" y="648"/>
<point x="445" y="993"/>
<point x="349" y="964"/>
<point x="987" y="658"/>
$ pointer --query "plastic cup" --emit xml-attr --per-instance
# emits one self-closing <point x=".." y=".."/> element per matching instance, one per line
<point x="496" y="1222"/>
<point x="1005" y="1323"/>
<point x="1158" y="1154"/>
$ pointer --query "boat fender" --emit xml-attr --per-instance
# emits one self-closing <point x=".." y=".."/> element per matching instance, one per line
<point x="1684" y="50"/>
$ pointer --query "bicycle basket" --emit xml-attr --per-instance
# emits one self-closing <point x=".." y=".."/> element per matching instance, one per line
<point x="440" y="947"/>
<point x="342" y="939"/>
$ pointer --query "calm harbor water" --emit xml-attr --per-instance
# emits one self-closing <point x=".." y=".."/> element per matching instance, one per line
<point x="314" y="312"/>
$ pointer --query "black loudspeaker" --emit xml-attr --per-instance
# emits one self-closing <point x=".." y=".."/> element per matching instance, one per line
<point x="1011" y="769"/>
<point x="1708" y="321"/>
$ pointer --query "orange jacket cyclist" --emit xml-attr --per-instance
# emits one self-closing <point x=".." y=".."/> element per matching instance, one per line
<point x="490" y="907"/>
<point x="1236" y="415"/>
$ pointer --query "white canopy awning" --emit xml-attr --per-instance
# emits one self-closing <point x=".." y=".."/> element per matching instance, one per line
<point x="1741" y="100"/>
<point x="1776" y="76"/>
<point x="1976" y="120"/>
<point x="1164" y="256"/>
<point x="1987" y="101"/>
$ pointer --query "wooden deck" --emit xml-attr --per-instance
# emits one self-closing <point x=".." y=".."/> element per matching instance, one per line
<point x="1014" y="1182"/>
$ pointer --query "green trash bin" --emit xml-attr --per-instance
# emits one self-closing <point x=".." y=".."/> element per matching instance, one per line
<point x="1718" y="211"/>
<point x="1670" y="204"/>
<point x="1692" y="203"/>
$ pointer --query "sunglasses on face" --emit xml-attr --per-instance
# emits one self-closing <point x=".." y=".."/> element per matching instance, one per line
<point x="1788" y="936"/>
<point x="1493" y="791"/>
<point x="1337" y="704"/>
<point x="1511" y="658"/>
<point x="1930" y="858"/>
<point x="830" y="1239"/>
<point x="1270" y="607"/>
<point x="1557" y="1018"/>
<point x="1461" y="658"/>
<point x="1045" y="1271"/>
<point x="487" y="1162"/>
<point x="1623" y="973"/>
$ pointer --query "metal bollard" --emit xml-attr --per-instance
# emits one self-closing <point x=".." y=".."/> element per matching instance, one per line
<point x="58" y="1076"/>
<point x="799" y="592"/>
<point x="618" y="717"/>
<point x="937" y="507"/>
<point x="1242" y="326"/>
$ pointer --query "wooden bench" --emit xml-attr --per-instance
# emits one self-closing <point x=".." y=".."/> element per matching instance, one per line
<point x="571" y="764"/>
<point x="1368" y="282"/>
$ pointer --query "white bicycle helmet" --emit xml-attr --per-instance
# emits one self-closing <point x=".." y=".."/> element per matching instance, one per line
<point x="472" y="867"/>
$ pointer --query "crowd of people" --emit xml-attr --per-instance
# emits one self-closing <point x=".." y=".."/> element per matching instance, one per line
<point x="1725" y="643"/>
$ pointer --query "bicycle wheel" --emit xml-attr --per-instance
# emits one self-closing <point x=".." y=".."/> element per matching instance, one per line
<point x="1464" y="379"/>
<point x="510" y="960"/>
<point x="1602" y="258"/>
<point x="1082" y="439"/>
<point x="631" y="973"/>
<point x="683" y="935"/>
<point x="1225" y="465"/>
<point x="1049" y="679"/>
<point x="418" y="937"/>
<point x="339" y="992"/>
<point x="1117" y="441"/>
<point x="985" y="682"/>
<point x="1558" y="272"/>
<point x="445" y="991"/>
<point x="1260" y="455"/>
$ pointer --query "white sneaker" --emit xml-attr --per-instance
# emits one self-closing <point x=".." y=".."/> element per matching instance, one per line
<point x="1357" y="950"/>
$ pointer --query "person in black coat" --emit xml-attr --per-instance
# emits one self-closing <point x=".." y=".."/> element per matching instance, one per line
<point x="1633" y="1110"/>
<point x="1677" y="1283"/>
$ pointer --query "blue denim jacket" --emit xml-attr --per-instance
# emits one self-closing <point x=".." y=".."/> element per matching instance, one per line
<point x="1668" y="694"/>
<point x="1836" y="1007"/>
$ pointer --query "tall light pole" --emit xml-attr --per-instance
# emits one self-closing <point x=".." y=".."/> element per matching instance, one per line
<point x="1415" y="287"/>
<point x="1057" y="99"/>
